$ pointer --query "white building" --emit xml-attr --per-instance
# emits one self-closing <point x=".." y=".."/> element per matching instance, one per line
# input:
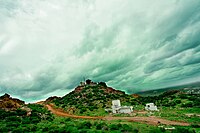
<point x="117" y="108"/>
<point x="82" y="83"/>
<point x="151" y="107"/>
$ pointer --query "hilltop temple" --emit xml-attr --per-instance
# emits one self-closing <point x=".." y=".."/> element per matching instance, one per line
<point x="88" y="82"/>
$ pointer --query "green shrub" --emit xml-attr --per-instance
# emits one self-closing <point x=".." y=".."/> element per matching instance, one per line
<point x="195" y="125"/>
<point x="21" y="112"/>
<point x="85" y="125"/>
<point x="71" y="129"/>
<point x="183" y="130"/>
<point x="189" y="104"/>
<point x="82" y="110"/>
<point x="126" y="128"/>
<point x="13" y="119"/>
<point x="113" y="127"/>
<point x="100" y="125"/>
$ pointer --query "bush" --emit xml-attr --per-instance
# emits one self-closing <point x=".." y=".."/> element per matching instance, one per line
<point x="13" y="119"/>
<point x="85" y="125"/>
<point x="12" y="124"/>
<point x="126" y="128"/>
<point x="35" y="119"/>
<point x="189" y="104"/>
<point x="156" y="130"/>
<point x="21" y="112"/>
<point x="71" y="129"/>
<point x="100" y="125"/>
<point x="102" y="84"/>
<point x="68" y="119"/>
<point x="26" y="120"/>
<point x="177" y="101"/>
<point x="195" y="126"/>
<point x="82" y="110"/>
<point x="183" y="96"/>
<point x="135" y="131"/>
<point x="183" y="130"/>
<point x="113" y="127"/>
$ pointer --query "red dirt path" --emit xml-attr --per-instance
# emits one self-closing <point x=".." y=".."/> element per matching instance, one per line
<point x="149" y="120"/>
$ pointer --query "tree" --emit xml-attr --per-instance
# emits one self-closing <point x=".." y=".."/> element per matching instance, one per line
<point x="102" y="84"/>
<point x="88" y="81"/>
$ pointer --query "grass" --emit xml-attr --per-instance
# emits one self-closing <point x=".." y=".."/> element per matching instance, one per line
<point x="61" y="124"/>
<point x="81" y="125"/>
<point x="96" y="112"/>
<point x="179" y="114"/>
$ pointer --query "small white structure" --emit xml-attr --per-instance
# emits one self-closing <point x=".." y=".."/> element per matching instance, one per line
<point x="117" y="108"/>
<point x="116" y="103"/>
<point x="151" y="107"/>
<point x="82" y="83"/>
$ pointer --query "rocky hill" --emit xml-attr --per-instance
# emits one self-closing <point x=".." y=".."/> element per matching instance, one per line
<point x="91" y="97"/>
<point x="15" y="114"/>
<point x="9" y="103"/>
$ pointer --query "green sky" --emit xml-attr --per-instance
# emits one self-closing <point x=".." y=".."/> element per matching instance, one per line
<point x="48" y="46"/>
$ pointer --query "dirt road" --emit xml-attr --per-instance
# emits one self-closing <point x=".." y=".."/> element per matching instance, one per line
<point x="60" y="112"/>
<point x="149" y="120"/>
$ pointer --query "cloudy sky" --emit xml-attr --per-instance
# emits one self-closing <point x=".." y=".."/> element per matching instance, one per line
<point x="48" y="46"/>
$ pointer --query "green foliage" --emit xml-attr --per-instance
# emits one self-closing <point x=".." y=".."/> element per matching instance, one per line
<point x="114" y="126"/>
<point x="92" y="100"/>
<point x="71" y="129"/>
<point x="102" y="84"/>
<point x="21" y="112"/>
<point x="183" y="130"/>
<point x="100" y="126"/>
<point x="69" y="125"/>
<point x="173" y="99"/>
<point x="85" y="125"/>
<point x="188" y="104"/>
<point x="39" y="113"/>
<point x="18" y="121"/>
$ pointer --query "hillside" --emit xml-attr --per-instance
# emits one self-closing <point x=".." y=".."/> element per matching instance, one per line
<point x="9" y="103"/>
<point x="16" y="116"/>
<point x="91" y="96"/>
<point x="173" y="98"/>
<point x="91" y="99"/>
<point x="187" y="88"/>
<point x="84" y="111"/>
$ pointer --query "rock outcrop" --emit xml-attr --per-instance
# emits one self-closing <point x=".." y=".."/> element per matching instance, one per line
<point x="8" y="103"/>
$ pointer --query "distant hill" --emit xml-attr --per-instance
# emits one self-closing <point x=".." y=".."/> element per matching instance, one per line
<point x="195" y="87"/>
<point x="91" y="96"/>
<point x="173" y="98"/>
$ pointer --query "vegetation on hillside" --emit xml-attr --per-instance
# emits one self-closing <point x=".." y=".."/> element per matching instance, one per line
<point x="91" y="100"/>
<point x="176" y="105"/>
<point x="86" y="99"/>
<point x="18" y="120"/>
<point x="174" y="99"/>
<point x="69" y="125"/>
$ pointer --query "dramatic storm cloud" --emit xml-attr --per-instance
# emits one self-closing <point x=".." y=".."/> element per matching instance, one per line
<point x="48" y="46"/>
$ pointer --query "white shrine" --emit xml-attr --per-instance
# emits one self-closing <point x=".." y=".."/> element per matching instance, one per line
<point x="151" y="107"/>
<point x="117" y="108"/>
